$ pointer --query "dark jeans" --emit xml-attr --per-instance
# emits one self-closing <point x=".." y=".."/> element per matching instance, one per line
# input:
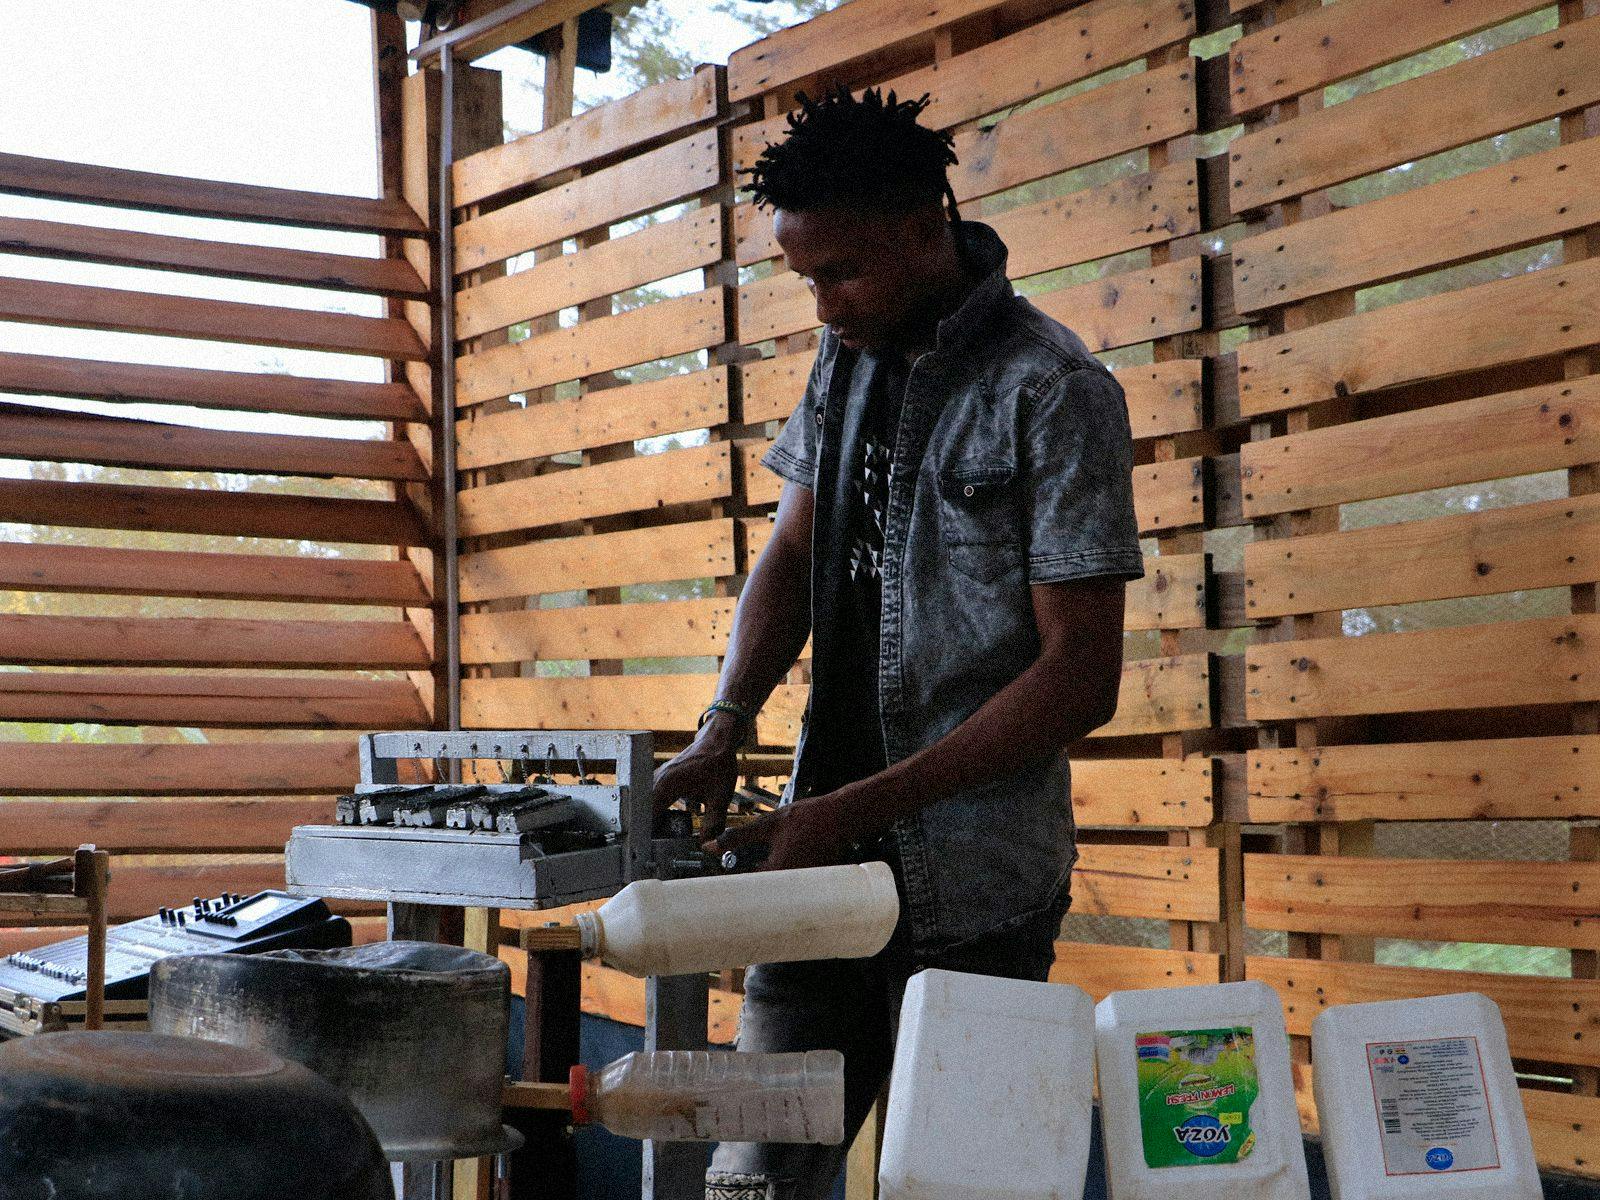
<point x="853" y="1006"/>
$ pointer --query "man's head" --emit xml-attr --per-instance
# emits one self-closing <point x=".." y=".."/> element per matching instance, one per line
<point x="863" y="210"/>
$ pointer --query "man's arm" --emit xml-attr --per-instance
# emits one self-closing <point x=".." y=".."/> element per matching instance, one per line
<point x="770" y="625"/>
<point x="1068" y="691"/>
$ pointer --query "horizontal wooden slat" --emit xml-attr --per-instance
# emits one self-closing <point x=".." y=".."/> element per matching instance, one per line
<point x="663" y="629"/>
<point x="209" y="701"/>
<point x="1547" y="1018"/>
<point x="37" y="374"/>
<point x="757" y="484"/>
<point x="1563" y="1128"/>
<point x="1162" y="695"/>
<point x="41" y="640"/>
<point x="1526" y="200"/>
<point x="666" y="702"/>
<point x="1511" y="320"/>
<point x="660" y="330"/>
<point x="148" y="191"/>
<point x="1323" y="46"/>
<point x="1095" y="222"/>
<point x="233" y="825"/>
<point x="195" y="510"/>
<point x="1172" y="594"/>
<point x="197" y="256"/>
<point x="85" y="769"/>
<point x="1016" y="68"/>
<point x="1491" y="437"/>
<point x="606" y="489"/>
<point x="1552" y="543"/>
<point x="757" y="533"/>
<point x="1133" y="307"/>
<point x="101" y="570"/>
<point x="659" y="554"/>
<point x="1169" y="495"/>
<point x="44" y="435"/>
<point x="1163" y="398"/>
<point x="602" y="131"/>
<point x="1120" y="310"/>
<point x="650" y="181"/>
<point x="1173" y="883"/>
<point x="833" y="39"/>
<point x="1502" y="901"/>
<point x="1546" y="660"/>
<point x="655" y="252"/>
<point x="1541" y="778"/>
<point x="1154" y="792"/>
<point x="1101" y="970"/>
<point x="1534" y="79"/>
<point x="697" y="400"/>
<point x="41" y="303"/>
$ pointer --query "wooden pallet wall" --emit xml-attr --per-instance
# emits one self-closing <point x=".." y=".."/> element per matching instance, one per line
<point x="1362" y="628"/>
<point x="199" y="620"/>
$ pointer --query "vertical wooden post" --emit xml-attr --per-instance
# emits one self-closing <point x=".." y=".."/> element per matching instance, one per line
<point x="91" y="873"/>
<point x="546" y="1166"/>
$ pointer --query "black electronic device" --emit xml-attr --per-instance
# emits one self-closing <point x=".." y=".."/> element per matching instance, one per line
<point x="225" y="924"/>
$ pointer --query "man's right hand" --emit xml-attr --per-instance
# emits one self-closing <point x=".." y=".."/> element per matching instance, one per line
<point x="703" y="775"/>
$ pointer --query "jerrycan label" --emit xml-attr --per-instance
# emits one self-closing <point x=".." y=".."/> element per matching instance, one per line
<point x="1196" y="1087"/>
<point x="1433" y="1106"/>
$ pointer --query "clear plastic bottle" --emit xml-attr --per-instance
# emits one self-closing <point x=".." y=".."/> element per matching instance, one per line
<point x="716" y="1096"/>
<point x="1418" y="1098"/>
<point x="688" y="926"/>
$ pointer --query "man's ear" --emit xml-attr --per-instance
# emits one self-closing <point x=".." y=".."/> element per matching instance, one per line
<point x="926" y="224"/>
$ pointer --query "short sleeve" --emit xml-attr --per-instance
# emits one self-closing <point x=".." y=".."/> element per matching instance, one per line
<point x="1079" y="452"/>
<point x="794" y="454"/>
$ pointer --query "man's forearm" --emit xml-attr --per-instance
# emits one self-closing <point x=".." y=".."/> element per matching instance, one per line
<point x="770" y="627"/>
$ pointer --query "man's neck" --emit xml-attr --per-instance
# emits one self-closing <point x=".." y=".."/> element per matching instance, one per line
<point x="947" y="290"/>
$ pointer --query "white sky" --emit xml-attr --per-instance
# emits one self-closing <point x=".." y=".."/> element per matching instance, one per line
<point x="275" y="92"/>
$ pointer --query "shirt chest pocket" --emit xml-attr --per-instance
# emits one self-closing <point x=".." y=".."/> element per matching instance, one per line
<point x="980" y="518"/>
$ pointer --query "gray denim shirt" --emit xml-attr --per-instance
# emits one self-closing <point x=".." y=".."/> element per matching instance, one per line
<point x="1012" y="466"/>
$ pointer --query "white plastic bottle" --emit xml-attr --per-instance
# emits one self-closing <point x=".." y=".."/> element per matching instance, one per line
<point x="686" y="926"/>
<point x="716" y="1096"/>
<point x="1197" y="1095"/>
<point x="991" y="1091"/>
<point x="1418" y="1098"/>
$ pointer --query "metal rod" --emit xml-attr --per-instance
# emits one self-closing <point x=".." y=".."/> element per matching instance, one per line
<point x="443" y="44"/>
<point x="446" y="391"/>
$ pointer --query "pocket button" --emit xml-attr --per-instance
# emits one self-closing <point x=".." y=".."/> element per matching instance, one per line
<point x="969" y="490"/>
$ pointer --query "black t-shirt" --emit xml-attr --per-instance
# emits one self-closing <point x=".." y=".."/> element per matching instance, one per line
<point x="860" y="751"/>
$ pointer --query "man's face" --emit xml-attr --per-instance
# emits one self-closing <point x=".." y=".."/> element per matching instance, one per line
<point x="870" y="273"/>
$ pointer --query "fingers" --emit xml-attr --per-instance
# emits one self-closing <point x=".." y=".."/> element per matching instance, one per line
<point x="715" y="815"/>
<point x="756" y="832"/>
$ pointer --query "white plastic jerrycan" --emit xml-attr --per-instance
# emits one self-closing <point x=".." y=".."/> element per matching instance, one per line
<point x="991" y="1093"/>
<point x="1197" y="1095"/>
<point x="1418" y="1098"/>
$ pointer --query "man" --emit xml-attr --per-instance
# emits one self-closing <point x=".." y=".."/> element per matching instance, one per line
<point x="954" y="534"/>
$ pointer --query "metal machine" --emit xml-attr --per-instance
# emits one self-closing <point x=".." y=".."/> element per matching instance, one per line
<point x="525" y="842"/>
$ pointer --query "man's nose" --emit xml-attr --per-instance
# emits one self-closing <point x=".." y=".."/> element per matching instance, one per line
<point x="827" y="304"/>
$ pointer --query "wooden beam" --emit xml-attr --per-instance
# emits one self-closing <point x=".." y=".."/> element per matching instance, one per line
<point x="655" y="554"/>
<point x="659" y="629"/>
<point x="101" y="570"/>
<point x="84" y="183"/>
<point x="1169" y="883"/>
<point x="42" y="375"/>
<point x="1101" y="970"/>
<point x="1517" y="903"/>
<point x="1538" y="778"/>
<point x="193" y="510"/>
<point x="38" y="640"/>
<point x="41" y="303"/>
<point x="1545" y="660"/>
<point x="210" y="701"/>
<point x="82" y="769"/>
<point x="44" y="435"/>
<point x="198" y="256"/>
<point x="1154" y="793"/>
<point x="489" y="25"/>
<point x="232" y="826"/>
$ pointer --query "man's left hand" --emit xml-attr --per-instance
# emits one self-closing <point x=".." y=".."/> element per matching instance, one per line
<point x="807" y="833"/>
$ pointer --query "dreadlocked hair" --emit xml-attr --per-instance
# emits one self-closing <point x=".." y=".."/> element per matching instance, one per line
<point x="865" y="154"/>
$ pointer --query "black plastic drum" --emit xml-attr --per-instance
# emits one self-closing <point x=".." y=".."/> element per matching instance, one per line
<point x="110" y="1116"/>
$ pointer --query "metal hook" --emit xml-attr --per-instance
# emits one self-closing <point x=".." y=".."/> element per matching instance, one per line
<point x="583" y="772"/>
